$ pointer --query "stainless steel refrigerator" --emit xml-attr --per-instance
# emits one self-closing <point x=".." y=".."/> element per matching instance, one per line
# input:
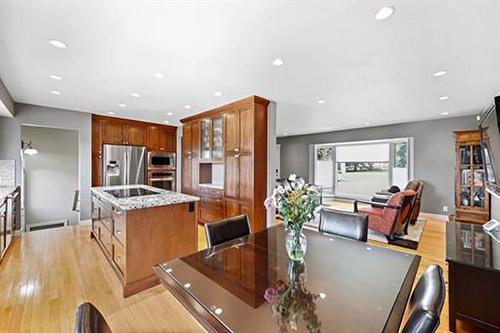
<point x="123" y="165"/>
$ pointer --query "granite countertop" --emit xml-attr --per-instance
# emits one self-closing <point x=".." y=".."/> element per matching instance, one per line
<point x="164" y="197"/>
<point x="5" y="191"/>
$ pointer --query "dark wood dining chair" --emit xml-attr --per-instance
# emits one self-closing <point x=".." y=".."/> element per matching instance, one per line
<point x="90" y="320"/>
<point x="226" y="230"/>
<point x="345" y="224"/>
<point x="426" y="302"/>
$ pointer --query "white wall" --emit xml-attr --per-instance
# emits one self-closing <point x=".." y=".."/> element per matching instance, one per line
<point x="51" y="176"/>
<point x="6" y="102"/>
<point x="10" y="140"/>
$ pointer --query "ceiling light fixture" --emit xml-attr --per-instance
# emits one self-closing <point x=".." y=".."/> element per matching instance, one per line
<point x="55" y="92"/>
<point x="170" y="114"/>
<point x="187" y="106"/>
<point x="58" y="44"/>
<point x="478" y="118"/>
<point x="285" y="133"/>
<point x="278" y="62"/>
<point x="166" y="122"/>
<point x="440" y="73"/>
<point x="443" y="98"/>
<point x="111" y="113"/>
<point x="384" y="13"/>
<point x="159" y="75"/>
<point x="321" y="101"/>
<point x="135" y="95"/>
<point x="445" y="113"/>
<point x="367" y="123"/>
<point x="122" y="105"/>
<point x="56" y="77"/>
<point x="217" y="93"/>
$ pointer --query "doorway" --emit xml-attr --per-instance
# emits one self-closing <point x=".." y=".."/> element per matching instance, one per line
<point x="50" y="172"/>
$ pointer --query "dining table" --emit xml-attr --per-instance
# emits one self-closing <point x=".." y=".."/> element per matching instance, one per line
<point x="250" y="285"/>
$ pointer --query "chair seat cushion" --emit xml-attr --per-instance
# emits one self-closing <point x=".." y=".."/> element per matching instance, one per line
<point x="371" y="211"/>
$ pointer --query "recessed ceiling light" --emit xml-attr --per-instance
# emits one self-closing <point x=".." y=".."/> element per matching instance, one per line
<point x="278" y="62"/>
<point x="55" y="77"/>
<point x="367" y="123"/>
<point x="170" y="114"/>
<point x="58" y="43"/>
<point x="159" y="75"/>
<point x="111" y="113"/>
<point x="187" y="106"/>
<point x="55" y="92"/>
<point x="384" y="13"/>
<point x="443" y="98"/>
<point x="122" y="105"/>
<point x="440" y="73"/>
<point x="445" y="113"/>
<point x="166" y="122"/>
<point x="217" y="93"/>
<point x="135" y="95"/>
<point x="285" y="133"/>
<point x="321" y="101"/>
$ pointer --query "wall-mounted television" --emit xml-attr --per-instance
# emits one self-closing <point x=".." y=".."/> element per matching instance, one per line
<point x="490" y="146"/>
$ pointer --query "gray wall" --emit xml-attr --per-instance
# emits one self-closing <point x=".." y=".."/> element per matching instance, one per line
<point x="10" y="140"/>
<point x="434" y="153"/>
<point x="6" y="100"/>
<point x="495" y="208"/>
<point x="51" y="176"/>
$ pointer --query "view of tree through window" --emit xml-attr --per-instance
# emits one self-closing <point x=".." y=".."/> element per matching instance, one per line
<point x="401" y="155"/>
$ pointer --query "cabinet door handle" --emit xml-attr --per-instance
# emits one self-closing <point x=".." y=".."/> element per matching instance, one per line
<point x="236" y="149"/>
<point x="118" y="258"/>
<point x="237" y="155"/>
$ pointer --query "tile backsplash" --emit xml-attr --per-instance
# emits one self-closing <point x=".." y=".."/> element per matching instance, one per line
<point x="7" y="173"/>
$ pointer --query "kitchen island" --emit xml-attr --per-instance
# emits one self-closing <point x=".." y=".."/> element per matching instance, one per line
<point x="138" y="226"/>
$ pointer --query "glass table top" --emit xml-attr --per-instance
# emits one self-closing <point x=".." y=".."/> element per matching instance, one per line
<point x="250" y="285"/>
<point x="469" y="244"/>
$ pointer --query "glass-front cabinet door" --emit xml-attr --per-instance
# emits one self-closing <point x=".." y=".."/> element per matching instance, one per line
<point x="217" y="147"/>
<point x="205" y="151"/>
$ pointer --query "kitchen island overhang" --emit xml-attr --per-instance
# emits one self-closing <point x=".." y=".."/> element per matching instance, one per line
<point x="139" y="231"/>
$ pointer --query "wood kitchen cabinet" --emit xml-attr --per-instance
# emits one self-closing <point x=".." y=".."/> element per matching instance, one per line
<point x="117" y="131"/>
<point x="161" y="139"/>
<point x="242" y="151"/>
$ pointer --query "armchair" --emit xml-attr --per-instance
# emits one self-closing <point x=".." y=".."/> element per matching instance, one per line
<point x="389" y="218"/>
<point x="415" y="185"/>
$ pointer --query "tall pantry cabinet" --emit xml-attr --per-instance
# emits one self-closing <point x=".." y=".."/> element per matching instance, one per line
<point x="244" y="162"/>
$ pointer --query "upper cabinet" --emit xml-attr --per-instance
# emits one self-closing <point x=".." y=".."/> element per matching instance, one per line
<point x="160" y="138"/>
<point x="117" y="131"/>
<point x="212" y="139"/>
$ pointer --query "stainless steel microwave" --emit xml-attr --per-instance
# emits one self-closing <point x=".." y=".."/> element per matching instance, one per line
<point x="161" y="160"/>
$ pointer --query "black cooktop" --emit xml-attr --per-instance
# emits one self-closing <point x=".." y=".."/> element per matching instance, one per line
<point x="130" y="192"/>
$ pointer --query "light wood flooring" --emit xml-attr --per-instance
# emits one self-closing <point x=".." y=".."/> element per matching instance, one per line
<point x="47" y="273"/>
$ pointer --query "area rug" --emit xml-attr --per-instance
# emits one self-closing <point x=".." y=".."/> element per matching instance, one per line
<point x="409" y="241"/>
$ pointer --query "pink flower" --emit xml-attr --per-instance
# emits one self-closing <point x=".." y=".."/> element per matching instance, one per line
<point x="270" y="295"/>
<point x="270" y="202"/>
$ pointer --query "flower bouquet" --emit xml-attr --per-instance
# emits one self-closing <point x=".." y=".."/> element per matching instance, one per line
<point x="297" y="206"/>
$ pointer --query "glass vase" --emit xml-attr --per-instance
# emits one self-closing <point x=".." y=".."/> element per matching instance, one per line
<point x="296" y="244"/>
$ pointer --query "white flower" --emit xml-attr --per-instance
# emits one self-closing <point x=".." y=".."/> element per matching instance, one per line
<point x="292" y="177"/>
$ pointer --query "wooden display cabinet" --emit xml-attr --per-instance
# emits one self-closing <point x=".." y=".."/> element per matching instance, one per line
<point x="472" y="202"/>
<point x="235" y="136"/>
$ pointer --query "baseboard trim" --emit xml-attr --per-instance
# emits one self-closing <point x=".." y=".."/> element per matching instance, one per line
<point x="431" y="216"/>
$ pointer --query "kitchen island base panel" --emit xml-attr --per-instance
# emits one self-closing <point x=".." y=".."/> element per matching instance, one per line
<point x="134" y="241"/>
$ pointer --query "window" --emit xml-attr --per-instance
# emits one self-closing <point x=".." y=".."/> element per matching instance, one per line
<point x="359" y="169"/>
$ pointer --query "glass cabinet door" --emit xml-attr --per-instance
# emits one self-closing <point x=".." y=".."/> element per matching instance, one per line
<point x="205" y="139"/>
<point x="217" y="138"/>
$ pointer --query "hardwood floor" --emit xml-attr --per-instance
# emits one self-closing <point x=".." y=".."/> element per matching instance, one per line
<point x="47" y="273"/>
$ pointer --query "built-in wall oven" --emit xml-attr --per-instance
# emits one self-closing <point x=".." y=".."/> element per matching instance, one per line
<point x="161" y="160"/>
<point x="162" y="179"/>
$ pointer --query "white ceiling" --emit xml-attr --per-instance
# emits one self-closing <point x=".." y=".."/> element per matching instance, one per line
<point x="368" y="71"/>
